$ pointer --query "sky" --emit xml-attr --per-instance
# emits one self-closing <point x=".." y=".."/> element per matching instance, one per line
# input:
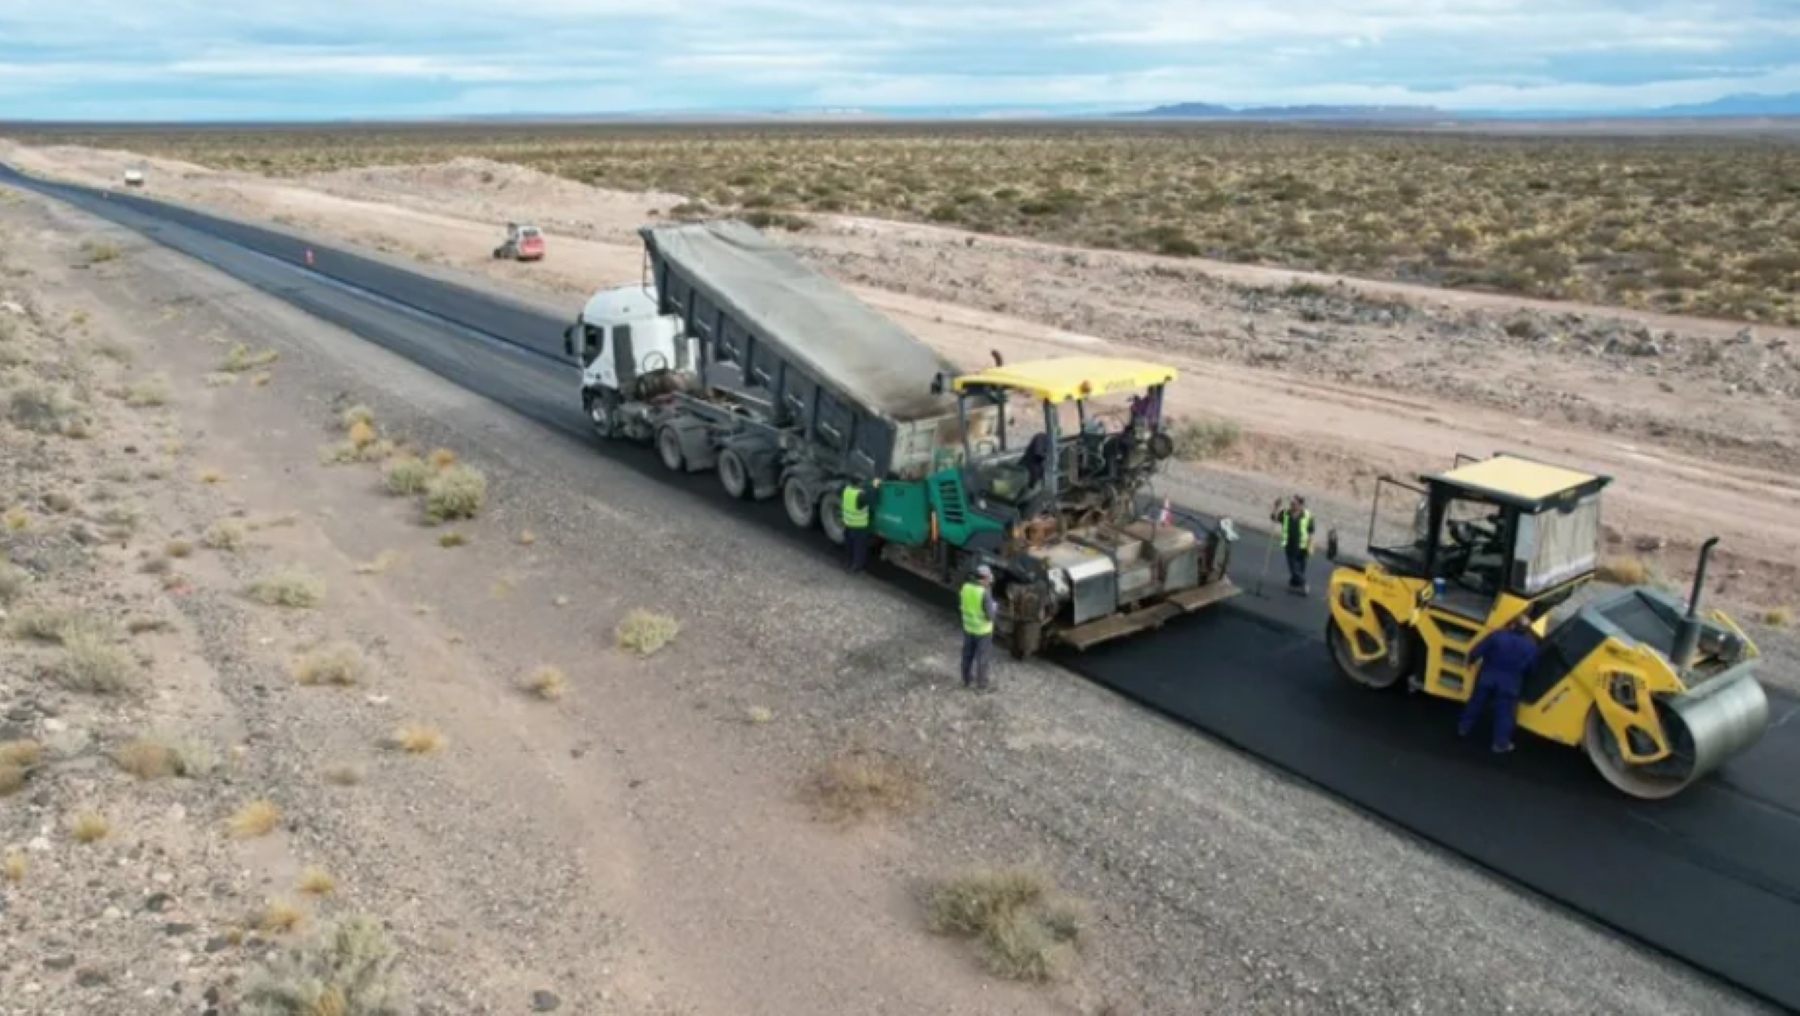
<point x="286" y="59"/>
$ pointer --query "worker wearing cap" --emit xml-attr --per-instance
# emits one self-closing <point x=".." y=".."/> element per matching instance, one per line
<point x="978" y="613"/>
<point x="1504" y="657"/>
<point x="1296" y="540"/>
<point x="855" y="513"/>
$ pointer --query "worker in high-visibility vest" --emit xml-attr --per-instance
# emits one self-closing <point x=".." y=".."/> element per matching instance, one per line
<point x="855" y="512"/>
<point x="1295" y="532"/>
<point x="978" y="613"/>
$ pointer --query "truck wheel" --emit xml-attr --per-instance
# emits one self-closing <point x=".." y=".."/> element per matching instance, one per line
<point x="829" y="519"/>
<point x="802" y="510"/>
<point x="668" y="443"/>
<point x="733" y="474"/>
<point x="600" y="414"/>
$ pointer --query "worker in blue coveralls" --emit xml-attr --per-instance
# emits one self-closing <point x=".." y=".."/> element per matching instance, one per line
<point x="1504" y="657"/>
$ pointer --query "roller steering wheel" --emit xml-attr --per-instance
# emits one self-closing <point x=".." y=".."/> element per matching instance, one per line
<point x="655" y="360"/>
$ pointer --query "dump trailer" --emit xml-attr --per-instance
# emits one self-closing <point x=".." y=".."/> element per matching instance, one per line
<point x="1656" y="692"/>
<point x="731" y="355"/>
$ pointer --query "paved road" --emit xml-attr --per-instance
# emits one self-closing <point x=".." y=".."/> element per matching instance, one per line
<point x="1712" y="878"/>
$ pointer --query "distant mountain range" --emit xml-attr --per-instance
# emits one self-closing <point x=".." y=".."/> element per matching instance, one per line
<point x="1749" y="105"/>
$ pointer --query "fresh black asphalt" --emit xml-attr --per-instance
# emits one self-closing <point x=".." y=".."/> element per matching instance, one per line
<point x="1712" y="877"/>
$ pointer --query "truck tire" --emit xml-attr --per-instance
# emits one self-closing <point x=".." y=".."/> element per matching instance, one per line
<point x="802" y="507"/>
<point x="829" y="518"/>
<point x="734" y="476"/>
<point x="668" y="445"/>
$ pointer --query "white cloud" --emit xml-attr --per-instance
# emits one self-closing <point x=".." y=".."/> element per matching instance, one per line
<point x="313" y="57"/>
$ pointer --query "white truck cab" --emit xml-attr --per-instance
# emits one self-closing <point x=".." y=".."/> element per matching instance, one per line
<point x="620" y="337"/>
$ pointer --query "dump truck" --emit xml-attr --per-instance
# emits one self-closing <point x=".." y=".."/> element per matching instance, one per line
<point x="1656" y="692"/>
<point x="731" y="355"/>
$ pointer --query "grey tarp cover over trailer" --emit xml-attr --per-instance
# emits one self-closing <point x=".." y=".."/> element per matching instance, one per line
<point x="847" y="345"/>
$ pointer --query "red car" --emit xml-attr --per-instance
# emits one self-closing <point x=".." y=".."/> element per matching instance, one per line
<point x="524" y="242"/>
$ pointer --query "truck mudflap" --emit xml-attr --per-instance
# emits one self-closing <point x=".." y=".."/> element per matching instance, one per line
<point x="1154" y="615"/>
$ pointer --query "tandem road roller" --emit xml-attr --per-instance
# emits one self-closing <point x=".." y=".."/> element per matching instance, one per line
<point x="1656" y="692"/>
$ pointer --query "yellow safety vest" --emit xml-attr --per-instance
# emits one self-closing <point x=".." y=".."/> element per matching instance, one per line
<point x="975" y="619"/>
<point x="854" y="517"/>
<point x="1287" y="524"/>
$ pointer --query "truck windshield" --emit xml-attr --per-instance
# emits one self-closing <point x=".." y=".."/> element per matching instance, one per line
<point x="1555" y="546"/>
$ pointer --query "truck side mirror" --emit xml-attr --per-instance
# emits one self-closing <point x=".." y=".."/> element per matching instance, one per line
<point x="569" y="340"/>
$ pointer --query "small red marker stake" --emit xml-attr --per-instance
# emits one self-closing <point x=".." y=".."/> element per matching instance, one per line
<point x="309" y="259"/>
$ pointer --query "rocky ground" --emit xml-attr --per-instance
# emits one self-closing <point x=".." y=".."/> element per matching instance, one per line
<point x="189" y="574"/>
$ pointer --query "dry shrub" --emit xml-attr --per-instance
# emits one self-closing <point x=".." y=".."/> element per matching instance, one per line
<point x="759" y="715"/>
<point x="362" y="434"/>
<point x="348" y="452"/>
<point x="15" y="519"/>
<point x="1624" y="571"/>
<point x="357" y="415"/>
<point x="643" y="632"/>
<point x="279" y="917"/>
<point x="15" y="865"/>
<point x="219" y="379"/>
<point x="547" y="682"/>
<point x="448" y="540"/>
<point x="239" y="359"/>
<point x="22" y="753"/>
<point x="178" y="548"/>
<point x="407" y="475"/>
<point x="341" y="664"/>
<point x="1024" y="928"/>
<point x="228" y="536"/>
<point x="418" y="739"/>
<point x="346" y="971"/>
<point x="379" y="564"/>
<point x="150" y="392"/>
<point x="1777" y="617"/>
<point x="456" y="492"/>
<point x="527" y="538"/>
<point x="43" y="410"/>
<point x="1199" y="440"/>
<point x="98" y="252"/>
<point x="12" y="779"/>
<point x="442" y="458"/>
<point x="91" y="663"/>
<point x="256" y="818"/>
<point x="210" y="476"/>
<point x="856" y="784"/>
<point x="290" y="587"/>
<point x="316" y="881"/>
<point x="89" y="827"/>
<point x="147" y="758"/>
<point x="57" y="626"/>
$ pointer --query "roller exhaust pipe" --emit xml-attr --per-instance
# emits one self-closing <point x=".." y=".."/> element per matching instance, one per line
<point x="1687" y="634"/>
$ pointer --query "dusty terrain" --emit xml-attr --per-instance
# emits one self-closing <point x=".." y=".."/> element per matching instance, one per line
<point x="645" y="843"/>
<point x="1327" y="383"/>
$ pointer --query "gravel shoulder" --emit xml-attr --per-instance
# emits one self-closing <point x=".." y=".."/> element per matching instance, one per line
<point x="644" y="843"/>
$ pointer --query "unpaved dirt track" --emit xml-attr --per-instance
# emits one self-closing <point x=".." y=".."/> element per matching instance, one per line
<point x="1448" y="795"/>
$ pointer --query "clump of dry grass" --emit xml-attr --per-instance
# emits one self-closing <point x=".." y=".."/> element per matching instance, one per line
<point x="1624" y="571"/>
<point x="442" y="458"/>
<point x="418" y="739"/>
<point x="210" y="476"/>
<point x="279" y="916"/>
<point x="644" y="632"/>
<point x="12" y="778"/>
<point x="448" y="540"/>
<point x="1200" y="440"/>
<point x="91" y="663"/>
<point x="58" y="626"/>
<point x="527" y="538"/>
<point x="15" y="866"/>
<point x="759" y="715"/>
<point x="1777" y="617"/>
<point x="178" y="548"/>
<point x="150" y="392"/>
<point x="239" y="359"/>
<point x="261" y="379"/>
<point x="147" y="758"/>
<point x="407" y="475"/>
<point x="98" y="252"/>
<point x="218" y="379"/>
<point x="344" y="972"/>
<point x="23" y="753"/>
<point x="316" y="881"/>
<point x="1023" y="926"/>
<point x="290" y="587"/>
<point x="853" y="785"/>
<point x="15" y="519"/>
<point x="44" y="410"/>
<point x="546" y="682"/>
<point x="89" y="827"/>
<point x="455" y="492"/>
<point x="255" y="818"/>
<point x="341" y="664"/>
<point x="226" y="536"/>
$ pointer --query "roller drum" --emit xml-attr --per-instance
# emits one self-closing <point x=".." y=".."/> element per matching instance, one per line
<point x="1705" y="727"/>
